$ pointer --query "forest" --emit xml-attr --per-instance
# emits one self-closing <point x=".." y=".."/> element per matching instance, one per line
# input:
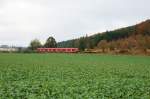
<point x="136" y="37"/>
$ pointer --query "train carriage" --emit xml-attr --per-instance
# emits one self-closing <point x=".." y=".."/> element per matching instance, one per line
<point x="57" y="50"/>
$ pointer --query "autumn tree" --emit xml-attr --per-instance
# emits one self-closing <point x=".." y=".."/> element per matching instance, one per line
<point x="103" y="45"/>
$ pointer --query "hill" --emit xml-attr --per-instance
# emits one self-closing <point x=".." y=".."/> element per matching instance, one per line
<point x="138" y="33"/>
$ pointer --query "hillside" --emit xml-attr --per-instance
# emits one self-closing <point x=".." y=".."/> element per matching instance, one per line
<point x="142" y="29"/>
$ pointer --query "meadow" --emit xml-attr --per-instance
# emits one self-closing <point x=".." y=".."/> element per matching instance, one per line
<point x="74" y="76"/>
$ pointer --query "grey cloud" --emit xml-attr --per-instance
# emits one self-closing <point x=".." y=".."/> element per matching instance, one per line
<point x="23" y="20"/>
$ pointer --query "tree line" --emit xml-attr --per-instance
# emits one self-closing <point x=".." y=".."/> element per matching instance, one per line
<point x="50" y="43"/>
<point x="132" y="37"/>
<point x="136" y="42"/>
<point x="135" y="37"/>
<point x="90" y="42"/>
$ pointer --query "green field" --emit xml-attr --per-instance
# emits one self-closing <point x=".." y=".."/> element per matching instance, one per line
<point x="77" y="76"/>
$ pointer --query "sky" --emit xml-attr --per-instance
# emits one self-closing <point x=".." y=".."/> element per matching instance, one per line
<point x="24" y="20"/>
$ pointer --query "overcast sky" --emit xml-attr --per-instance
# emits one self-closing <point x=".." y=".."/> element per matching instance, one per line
<point x="24" y="20"/>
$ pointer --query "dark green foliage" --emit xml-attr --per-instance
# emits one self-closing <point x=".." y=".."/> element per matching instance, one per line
<point x="92" y="41"/>
<point x="129" y="40"/>
<point x="50" y="43"/>
<point x="35" y="44"/>
<point x="82" y="44"/>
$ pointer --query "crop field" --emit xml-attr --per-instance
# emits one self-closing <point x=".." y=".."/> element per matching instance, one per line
<point x="74" y="76"/>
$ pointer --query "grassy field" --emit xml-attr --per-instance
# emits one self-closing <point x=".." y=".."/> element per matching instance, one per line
<point x="77" y="76"/>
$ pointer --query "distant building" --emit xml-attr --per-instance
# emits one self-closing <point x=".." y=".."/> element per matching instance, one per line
<point x="6" y="48"/>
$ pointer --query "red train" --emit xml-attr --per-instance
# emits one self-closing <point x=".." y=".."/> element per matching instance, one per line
<point x="58" y="50"/>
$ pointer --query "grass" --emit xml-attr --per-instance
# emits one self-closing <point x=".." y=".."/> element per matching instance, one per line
<point x="74" y="76"/>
